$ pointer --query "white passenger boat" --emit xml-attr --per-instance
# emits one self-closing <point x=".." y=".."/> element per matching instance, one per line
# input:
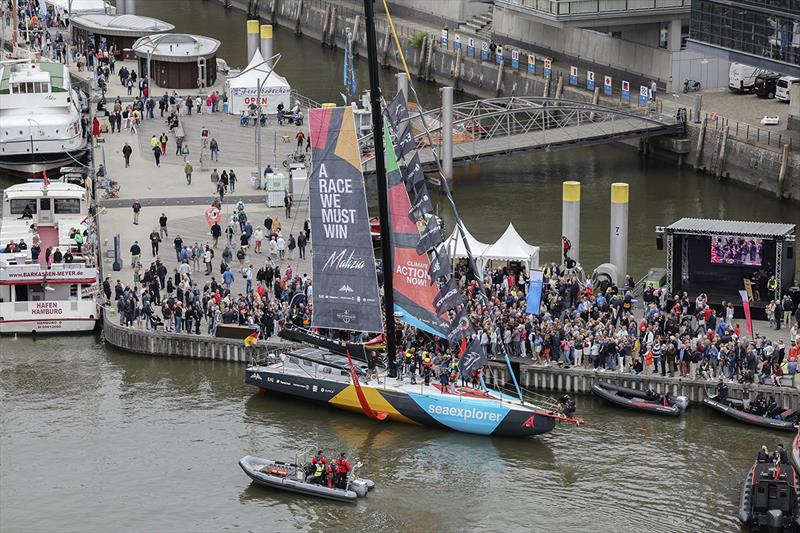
<point x="36" y="297"/>
<point x="40" y="118"/>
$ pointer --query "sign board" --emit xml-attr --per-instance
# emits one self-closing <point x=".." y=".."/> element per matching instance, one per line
<point x="590" y="80"/>
<point x="644" y="95"/>
<point x="498" y="55"/>
<point x="484" y="51"/>
<point x="548" y="67"/>
<point x="471" y="47"/>
<point x="607" y="86"/>
<point x="626" y="91"/>
<point x="444" y="38"/>
<point x="532" y="63"/>
<point x="457" y="42"/>
<point x="514" y="58"/>
<point x="74" y="273"/>
<point x="573" y="75"/>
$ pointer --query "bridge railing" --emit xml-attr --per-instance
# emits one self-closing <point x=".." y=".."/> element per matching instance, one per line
<point x="496" y="118"/>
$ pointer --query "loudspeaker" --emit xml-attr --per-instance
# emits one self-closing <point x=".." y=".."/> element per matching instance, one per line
<point x="659" y="242"/>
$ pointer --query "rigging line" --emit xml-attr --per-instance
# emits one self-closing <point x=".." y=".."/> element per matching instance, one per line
<point x="446" y="187"/>
<point x="396" y="40"/>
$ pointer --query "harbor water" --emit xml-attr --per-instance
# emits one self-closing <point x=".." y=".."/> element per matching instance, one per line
<point x="92" y="436"/>
<point x="94" y="439"/>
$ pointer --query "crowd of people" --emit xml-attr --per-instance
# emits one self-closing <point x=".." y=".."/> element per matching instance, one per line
<point x="198" y="295"/>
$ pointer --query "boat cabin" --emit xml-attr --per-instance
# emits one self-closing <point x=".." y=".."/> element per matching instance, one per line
<point x="37" y="290"/>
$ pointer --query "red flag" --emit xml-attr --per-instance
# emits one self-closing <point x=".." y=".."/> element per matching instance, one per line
<point x="746" y="305"/>
<point x="46" y="179"/>
<point x="463" y="348"/>
<point x="362" y="399"/>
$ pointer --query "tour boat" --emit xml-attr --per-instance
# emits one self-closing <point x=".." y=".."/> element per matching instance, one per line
<point x="320" y="376"/>
<point x="40" y="118"/>
<point x="35" y="298"/>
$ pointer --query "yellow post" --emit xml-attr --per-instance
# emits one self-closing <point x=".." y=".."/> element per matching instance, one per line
<point x="618" y="253"/>
<point x="252" y="38"/>
<point x="571" y="217"/>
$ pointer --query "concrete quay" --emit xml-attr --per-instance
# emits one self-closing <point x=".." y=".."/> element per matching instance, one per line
<point x="579" y="380"/>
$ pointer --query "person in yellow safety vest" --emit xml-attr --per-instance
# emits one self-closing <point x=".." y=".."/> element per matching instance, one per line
<point x="317" y="475"/>
<point x="427" y="368"/>
<point x="772" y="286"/>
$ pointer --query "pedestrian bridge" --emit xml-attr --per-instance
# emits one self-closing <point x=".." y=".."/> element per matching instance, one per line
<point x="502" y="126"/>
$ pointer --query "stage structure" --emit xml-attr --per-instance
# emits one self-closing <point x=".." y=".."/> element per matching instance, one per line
<point x="721" y="257"/>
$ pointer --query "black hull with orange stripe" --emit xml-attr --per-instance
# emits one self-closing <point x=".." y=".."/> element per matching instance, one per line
<point x="634" y="404"/>
<point x="735" y="409"/>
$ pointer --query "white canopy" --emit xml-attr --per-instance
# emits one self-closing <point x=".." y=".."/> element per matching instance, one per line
<point x="454" y="245"/>
<point x="83" y="7"/>
<point x="243" y="88"/>
<point x="511" y="247"/>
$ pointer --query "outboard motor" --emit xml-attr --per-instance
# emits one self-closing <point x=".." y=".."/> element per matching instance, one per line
<point x="682" y="402"/>
<point x="775" y="520"/>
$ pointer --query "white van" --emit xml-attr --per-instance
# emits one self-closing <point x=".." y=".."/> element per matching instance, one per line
<point x="742" y="78"/>
<point x="783" y="86"/>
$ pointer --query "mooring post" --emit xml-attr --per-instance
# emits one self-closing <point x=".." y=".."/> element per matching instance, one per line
<point x="447" y="133"/>
<point x="402" y="83"/>
<point x="698" y="160"/>
<point x="782" y="173"/>
<point x="571" y="217"/>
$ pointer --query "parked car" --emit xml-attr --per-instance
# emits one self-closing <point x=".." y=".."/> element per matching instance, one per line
<point x="742" y="78"/>
<point x="783" y="87"/>
<point x="766" y="84"/>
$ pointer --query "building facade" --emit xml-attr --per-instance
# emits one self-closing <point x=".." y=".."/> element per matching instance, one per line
<point x="763" y="34"/>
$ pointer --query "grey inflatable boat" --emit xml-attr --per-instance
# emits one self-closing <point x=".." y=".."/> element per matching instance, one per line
<point x="291" y="477"/>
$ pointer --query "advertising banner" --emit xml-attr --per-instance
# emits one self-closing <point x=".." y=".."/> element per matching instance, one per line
<point x="590" y="80"/>
<point x="573" y="76"/>
<point x="345" y="284"/>
<point x="532" y="63"/>
<point x="548" y="67"/>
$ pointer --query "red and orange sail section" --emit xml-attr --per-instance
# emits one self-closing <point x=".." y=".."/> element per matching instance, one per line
<point x="414" y="293"/>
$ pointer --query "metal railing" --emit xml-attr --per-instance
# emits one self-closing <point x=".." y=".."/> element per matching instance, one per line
<point x="750" y="133"/>
<point x="504" y="117"/>
<point x="303" y="101"/>
<point x="586" y="7"/>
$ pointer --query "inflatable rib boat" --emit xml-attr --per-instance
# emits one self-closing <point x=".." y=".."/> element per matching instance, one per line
<point x="769" y="498"/>
<point x="637" y="400"/>
<point x="291" y="477"/>
<point x="736" y="410"/>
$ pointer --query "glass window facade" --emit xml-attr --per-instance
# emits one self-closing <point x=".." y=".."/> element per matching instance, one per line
<point x="768" y="29"/>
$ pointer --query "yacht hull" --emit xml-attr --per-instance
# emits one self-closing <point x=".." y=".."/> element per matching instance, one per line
<point x="482" y="416"/>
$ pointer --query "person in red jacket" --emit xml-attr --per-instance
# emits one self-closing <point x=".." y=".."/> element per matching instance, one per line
<point x="342" y="469"/>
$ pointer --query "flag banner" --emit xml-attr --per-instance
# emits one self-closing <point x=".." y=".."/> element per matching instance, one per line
<point x="474" y="358"/>
<point x="397" y="110"/>
<point x="413" y="175"/>
<point x="449" y="297"/>
<point x="460" y="327"/>
<point x="431" y="237"/>
<point x="251" y="340"/>
<point x="413" y="290"/>
<point x="422" y="204"/>
<point x="345" y="285"/>
<point x="534" y="303"/>
<point x="405" y="142"/>
<point x="747" y="318"/>
<point x="440" y="265"/>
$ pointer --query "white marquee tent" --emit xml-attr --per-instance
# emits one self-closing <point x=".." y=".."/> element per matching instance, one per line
<point x="243" y="89"/>
<point x="454" y="245"/>
<point x="511" y="247"/>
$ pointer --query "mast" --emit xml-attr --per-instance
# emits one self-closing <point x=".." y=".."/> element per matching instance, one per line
<point x="380" y="172"/>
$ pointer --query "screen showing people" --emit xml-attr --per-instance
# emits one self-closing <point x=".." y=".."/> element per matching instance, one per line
<point x="737" y="251"/>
